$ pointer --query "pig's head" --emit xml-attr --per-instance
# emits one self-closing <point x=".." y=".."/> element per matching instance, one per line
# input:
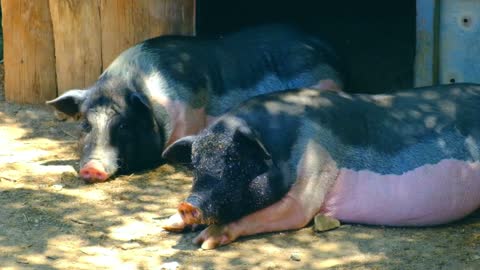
<point x="230" y="169"/>
<point x="119" y="133"/>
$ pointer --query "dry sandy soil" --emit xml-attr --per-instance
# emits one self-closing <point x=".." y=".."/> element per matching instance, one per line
<point x="49" y="219"/>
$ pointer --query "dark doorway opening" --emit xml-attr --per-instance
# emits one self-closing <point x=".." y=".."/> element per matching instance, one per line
<point x="376" y="38"/>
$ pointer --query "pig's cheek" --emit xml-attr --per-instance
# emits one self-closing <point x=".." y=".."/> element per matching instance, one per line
<point x="216" y="235"/>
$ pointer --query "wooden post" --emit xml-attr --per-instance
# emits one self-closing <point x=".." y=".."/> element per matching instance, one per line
<point x="78" y="42"/>
<point x="29" y="55"/>
<point x="426" y="57"/>
<point x="127" y="22"/>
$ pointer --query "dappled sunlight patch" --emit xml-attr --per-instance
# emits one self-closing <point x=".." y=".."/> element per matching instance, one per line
<point x="61" y="244"/>
<point x="89" y="195"/>
<point x="306" y="97"/>
<point x="430" y="95"/>
<point x="269" y="249"/>
<point x="70" y="252"/>
<point x="24" y="156"/>
<point x="10" y="131"/>
<point x="383" y="100"/>
<point x="153" y="207"/>
<point x="21" y="170"/>
<point x="11" y="249"/>
<point x="32" y="259"/>
<point x="329" y="247"/>
<point x="364" y="259"/>
<point x="134" y="229"/>
<point x="365" y="236"/>
<point x="20" y="158"/>
<point x="430" y="122"/>
<point x="97" y="256"/>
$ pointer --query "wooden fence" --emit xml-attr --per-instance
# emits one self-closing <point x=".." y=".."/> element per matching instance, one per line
<point x="51" y="46"/>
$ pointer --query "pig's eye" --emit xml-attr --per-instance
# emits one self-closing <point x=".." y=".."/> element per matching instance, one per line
<point x="86" y="126"/>
<point x="122" y="126"/>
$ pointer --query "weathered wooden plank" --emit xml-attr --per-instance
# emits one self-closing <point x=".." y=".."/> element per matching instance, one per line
<point x="127" y="22"/>
<point x="78" y="42"/>
<point x="29" y="55"/>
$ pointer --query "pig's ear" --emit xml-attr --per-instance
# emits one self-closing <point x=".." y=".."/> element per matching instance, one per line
<point x="70" y="102"/>
<point x="250" y="142"/>
<point x="139" y="102"/>
<point x="180" y="151"/>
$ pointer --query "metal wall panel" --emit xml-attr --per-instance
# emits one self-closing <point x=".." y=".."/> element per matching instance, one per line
<point x="459" y="41"/>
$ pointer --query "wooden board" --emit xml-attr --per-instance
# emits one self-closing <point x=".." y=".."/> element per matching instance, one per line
<point x="68" y="43"/>
<point x="28" y="51"/>
<point x="78" y="47"/>
<point x="127" y="22"/>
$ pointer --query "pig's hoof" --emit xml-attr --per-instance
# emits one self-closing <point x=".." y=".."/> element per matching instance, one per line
<point x="214" y="236"/>
<point x="175" y="224"/>
<point x="324" y="223"/>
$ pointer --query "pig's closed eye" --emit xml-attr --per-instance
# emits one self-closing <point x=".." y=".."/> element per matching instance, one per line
<point x="122" y="126"/>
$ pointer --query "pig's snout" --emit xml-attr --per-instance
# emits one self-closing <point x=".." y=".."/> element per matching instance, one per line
<point x="190" y="213"/>
<point x="94" y="171"/>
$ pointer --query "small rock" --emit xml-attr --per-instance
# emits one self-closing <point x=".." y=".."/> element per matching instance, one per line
<point x="295" y="257"/>
<point x="324" y="223"/>
<point x="170" y="266"/>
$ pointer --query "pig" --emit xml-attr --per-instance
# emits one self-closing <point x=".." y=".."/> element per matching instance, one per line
<point x="411" y="158"/>
<point x="170" y="86"/>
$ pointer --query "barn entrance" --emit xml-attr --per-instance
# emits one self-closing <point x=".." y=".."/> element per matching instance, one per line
<point x="376" y="38"/>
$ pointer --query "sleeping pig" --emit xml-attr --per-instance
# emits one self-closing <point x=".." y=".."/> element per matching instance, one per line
<point x="169" y="87"/>
<point x="406" y="159"/>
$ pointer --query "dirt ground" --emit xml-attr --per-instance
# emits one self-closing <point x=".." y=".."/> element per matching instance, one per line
<point x="49" y="219"/>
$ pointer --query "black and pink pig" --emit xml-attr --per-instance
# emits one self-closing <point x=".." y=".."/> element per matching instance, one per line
<point x="169" y="87"/>
<point x="406" y="159"/>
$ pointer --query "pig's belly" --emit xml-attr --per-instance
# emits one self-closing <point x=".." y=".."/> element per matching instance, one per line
<point x="427" y="195"/>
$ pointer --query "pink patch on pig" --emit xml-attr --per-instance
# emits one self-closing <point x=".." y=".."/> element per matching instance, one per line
<point x="184" y="120"/>
<point x="327" y="85"/>
<point x="427" y="195"/>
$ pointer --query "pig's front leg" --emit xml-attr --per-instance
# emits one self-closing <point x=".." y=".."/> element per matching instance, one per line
<point x="286" y="214"/>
